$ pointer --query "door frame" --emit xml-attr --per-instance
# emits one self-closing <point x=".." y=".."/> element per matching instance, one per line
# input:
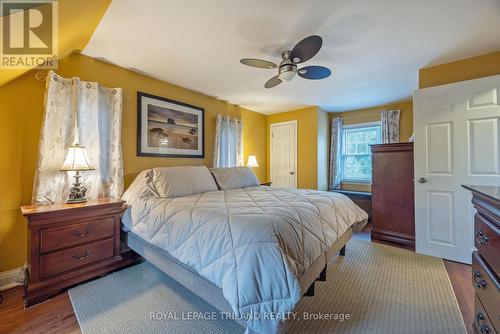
<point x="271" y="125"/>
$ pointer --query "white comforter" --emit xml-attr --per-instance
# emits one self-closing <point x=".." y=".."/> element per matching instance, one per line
<point x="254" y="243"/>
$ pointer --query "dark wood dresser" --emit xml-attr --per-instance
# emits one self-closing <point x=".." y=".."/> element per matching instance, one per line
<point x="393" y="205"/>
<point x="486" y="259"/>
<point x="71" y="243"/>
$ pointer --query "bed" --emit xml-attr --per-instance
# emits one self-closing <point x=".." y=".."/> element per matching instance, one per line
<point x="251" y="251"/>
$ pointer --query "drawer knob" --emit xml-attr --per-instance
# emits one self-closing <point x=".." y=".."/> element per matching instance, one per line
<point x="77" y="233"/>
<point x="485" y="329"/>
<point x="481" y="237"/>
<point x="481" y="284"/>
<point x="478" y="282"/>
<point x="81" y="257"/>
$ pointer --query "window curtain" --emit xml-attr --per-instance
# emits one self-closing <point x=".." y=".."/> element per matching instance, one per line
<point x="335" y="154"/>
<point x="390" y="126"/>
<point x="91" y="115"/>
<point x="228" y="142"/>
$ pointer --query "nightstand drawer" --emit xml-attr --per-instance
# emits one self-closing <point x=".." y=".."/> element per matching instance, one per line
<point x="59" y="238"/>
<point x="61" y="261"/>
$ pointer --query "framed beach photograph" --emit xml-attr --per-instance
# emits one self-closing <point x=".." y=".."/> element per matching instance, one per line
<point x="167" y="128"/>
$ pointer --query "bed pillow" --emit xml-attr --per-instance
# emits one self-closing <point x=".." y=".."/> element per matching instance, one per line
<point x="234" y="177"/>
<point x="181" y="181"/>
<point x="139" y="186"/>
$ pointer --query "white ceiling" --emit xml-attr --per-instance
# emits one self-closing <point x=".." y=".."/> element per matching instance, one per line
<point x="373" y="47"/>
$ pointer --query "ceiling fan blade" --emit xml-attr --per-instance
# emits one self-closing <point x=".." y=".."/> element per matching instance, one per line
<point x="306" y="49"/>
<point x="259" y="63"/>
<point x="273" y="82"/>
<point x="314" y="72"/>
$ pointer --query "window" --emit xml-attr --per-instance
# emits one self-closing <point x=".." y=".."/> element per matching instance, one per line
<point x="356" y="151"/>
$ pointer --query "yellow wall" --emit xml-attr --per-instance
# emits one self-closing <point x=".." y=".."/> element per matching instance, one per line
<point x="77" y="21"/>
<point x="21" y="111"/>
<point x="465" y="69"/>
<point x="314" y="139"/>
<point x="12" y="233"/>
<point x="372" y="115"/>
<point x="255" y="140"/>
<point x="323" y="149"/>
<point x="307" y="143"/>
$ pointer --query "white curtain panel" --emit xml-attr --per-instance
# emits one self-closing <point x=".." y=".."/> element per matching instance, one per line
<point x="336" y="153"/>
<point x="228" y="142"/>
<point x="390" y="126"/>
<point x="87" y="113"/>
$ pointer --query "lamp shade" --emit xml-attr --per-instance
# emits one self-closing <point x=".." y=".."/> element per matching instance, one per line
<point x="76" y="159"/>
<point x="252" y="161"/>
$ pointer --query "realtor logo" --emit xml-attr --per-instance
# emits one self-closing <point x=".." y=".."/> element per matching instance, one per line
<point x="29" y="34"/>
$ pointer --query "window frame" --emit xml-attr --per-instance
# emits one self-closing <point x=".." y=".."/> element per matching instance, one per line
<point x="343" y="178"/>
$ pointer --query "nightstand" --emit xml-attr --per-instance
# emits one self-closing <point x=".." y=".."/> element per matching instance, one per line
<point x="72" y="243"/>
<point x="266" y="183"/>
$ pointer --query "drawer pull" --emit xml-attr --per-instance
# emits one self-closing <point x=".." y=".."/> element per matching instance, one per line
<point x="485" y="329"/>
<point x="79" y="234"/>
<point x="81" y="257"/>
<point x="481" y="284"/>
<point x="481" y="237"/>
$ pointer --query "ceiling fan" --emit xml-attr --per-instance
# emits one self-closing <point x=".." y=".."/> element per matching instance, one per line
<point x="301" y="52"/>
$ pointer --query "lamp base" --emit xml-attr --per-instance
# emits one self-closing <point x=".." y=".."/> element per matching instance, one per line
<point x="76" y="200"/>
<point x="77" y="191"/>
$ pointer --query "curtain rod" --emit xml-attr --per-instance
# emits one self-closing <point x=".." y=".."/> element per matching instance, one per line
<point x="42" y="76"/>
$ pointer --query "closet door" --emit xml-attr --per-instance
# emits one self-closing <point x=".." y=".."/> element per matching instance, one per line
<point x="284" y="154"/>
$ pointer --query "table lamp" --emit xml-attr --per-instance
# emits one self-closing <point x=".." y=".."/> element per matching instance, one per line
<point x="252" y="161"/>
<point x="77" y="161"/>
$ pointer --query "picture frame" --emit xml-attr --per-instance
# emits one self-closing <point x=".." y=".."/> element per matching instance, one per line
<point x="169" y="128"/>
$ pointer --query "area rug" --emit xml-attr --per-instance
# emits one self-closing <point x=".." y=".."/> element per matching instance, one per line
<point x="374" y="289"/>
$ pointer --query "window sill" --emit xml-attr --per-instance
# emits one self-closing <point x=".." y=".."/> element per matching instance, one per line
<point x="367" y="182"/>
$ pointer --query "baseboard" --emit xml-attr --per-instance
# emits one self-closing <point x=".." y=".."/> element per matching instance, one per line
<point x="11" y="278"/>
<point x="393" y="237"/>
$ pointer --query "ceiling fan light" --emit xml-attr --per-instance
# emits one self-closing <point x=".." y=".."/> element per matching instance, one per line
<point x="287" y="76"/>
<point x="287" y="72"/>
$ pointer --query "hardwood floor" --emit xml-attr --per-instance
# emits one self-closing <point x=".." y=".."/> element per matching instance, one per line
<point x="56" y="315"/>
<point x="53" y="316"/>
<point x="461" y="280"/>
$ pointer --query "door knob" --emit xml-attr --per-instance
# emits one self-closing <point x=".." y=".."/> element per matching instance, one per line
<point x="291" y="173"/>
<point x="422" y="180"/>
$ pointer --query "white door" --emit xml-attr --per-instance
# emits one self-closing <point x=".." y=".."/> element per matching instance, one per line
<point x="284" y="154"/>
<point x="456" y="142"/>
